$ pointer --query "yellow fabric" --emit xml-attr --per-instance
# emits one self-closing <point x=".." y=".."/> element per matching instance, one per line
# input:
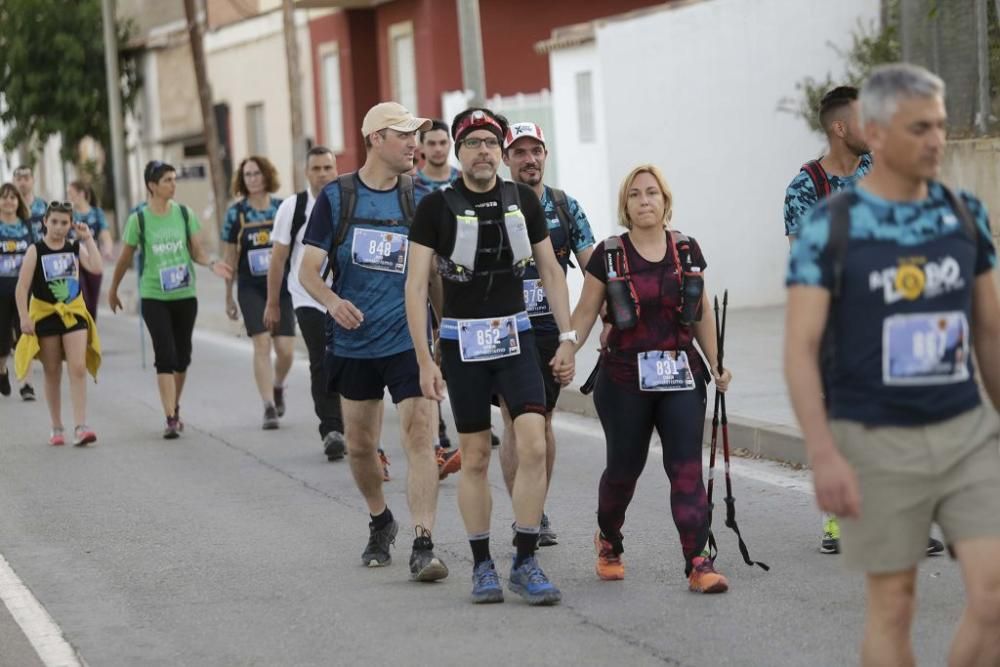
<point x="28" y="346"/>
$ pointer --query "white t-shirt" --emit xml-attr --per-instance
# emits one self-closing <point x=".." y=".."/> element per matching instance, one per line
<point x="282" y="233"/>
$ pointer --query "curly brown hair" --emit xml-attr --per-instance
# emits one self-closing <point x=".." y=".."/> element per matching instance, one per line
<point x="271" y="182"/>
<point x="22" y="209"/>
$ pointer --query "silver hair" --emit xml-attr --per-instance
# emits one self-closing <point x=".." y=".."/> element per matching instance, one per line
<point x="888" y="84"/>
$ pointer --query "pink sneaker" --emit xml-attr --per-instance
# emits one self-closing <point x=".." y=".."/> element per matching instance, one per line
<point x="83" y="436"/>
<point x="57" y="438"/>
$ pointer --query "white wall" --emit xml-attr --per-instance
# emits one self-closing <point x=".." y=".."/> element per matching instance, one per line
<point x="246" y="65"/>
<point x="695" y="90"/>
<point x="582" y="167"/>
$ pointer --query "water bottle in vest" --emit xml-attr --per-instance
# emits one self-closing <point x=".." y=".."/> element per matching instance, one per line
<point x="621" y="307"/>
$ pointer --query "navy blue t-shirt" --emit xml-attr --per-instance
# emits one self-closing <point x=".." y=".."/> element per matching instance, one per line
<point x="371" y="268"/>
<point x="902" y="330"/>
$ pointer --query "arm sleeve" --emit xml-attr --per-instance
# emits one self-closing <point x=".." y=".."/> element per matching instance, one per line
<point x="320" y="228"/>
<point x="595" y="266"/>
<point x="230" y="227"/>
<point x="538" y="225"/>
<point x="282" y="232"/>
<point x="424" y="230"/>
<point x="800" y="197"/>
<point x="130" y="235"/>
<point x="193" y="222"/>
<point x="581" y="235"/>
<point x="697" y="258"/>
<point x="808" y="262"/>
<point x="986" y="253"/>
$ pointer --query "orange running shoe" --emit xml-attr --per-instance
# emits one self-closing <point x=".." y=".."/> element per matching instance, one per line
<point x="384" y="460"/>
<point x="449" y="461"/>
<point x="609" y="564"/>
<point x="704" y="578"/>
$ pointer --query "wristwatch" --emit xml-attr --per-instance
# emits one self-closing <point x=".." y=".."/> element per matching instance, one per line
<point x="568" y="336"/>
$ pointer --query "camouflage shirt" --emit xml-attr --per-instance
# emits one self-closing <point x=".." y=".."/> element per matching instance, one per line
<point x="801" y="194"/>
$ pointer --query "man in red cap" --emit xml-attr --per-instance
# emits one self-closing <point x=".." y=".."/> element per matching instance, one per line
<point x="480" y="234"/>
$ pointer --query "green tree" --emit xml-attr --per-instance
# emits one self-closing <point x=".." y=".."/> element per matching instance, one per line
<point x="52" y="72"/>
<point x="870" y="46"/>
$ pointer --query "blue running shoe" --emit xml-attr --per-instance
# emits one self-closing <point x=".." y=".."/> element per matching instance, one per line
<point x="530" y="583"/>
<point x="486" y="584"/>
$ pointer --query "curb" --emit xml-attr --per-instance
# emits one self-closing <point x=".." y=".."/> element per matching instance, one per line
<point x="758" y="438"/>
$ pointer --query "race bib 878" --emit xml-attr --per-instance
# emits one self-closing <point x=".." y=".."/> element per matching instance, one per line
<point x="925" y="349"/>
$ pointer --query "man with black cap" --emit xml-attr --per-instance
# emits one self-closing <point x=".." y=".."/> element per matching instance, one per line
<point x="484" y="231"/>
<point x="358" y="229"/>
<point x="569" y="230"/>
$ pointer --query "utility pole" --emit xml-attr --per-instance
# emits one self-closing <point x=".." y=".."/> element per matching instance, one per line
<point x="470" y="41"/>
<point x="207" y="113"/>
<point x="983" y="58"/>
<point x="294" y="94"/>
<point x="114" y="111"/>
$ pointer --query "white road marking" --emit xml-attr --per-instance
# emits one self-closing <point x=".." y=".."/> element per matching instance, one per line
<point x="45" y="636"/>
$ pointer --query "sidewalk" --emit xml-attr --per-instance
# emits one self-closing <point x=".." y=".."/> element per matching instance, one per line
<point x="760" y="415"/>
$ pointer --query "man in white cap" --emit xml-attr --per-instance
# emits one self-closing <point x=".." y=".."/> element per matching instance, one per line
<point x="524" y="153"/>
<point x="358" y="230"/>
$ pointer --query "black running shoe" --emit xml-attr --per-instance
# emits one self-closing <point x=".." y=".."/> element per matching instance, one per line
<point x="5" y="383"/>
<point x="934" y="547"/>
<point x="546" y="536"/>
<point x="424" y="565"/>
<point x="377" y="552"/>
<point x="27" y="393"/>
<point x="270" y="418"/>
<point x="279" y="400"/>
<point x="334" y="446"/>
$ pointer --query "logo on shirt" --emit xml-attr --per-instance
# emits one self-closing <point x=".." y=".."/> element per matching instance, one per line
<point x="916" y="277"/>
<point x="260" y="238"/>
<point x="11" y="247"/>
<point x="167" y="247"/>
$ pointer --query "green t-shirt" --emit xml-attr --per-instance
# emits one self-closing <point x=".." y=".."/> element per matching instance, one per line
<point x="168" y="273"/>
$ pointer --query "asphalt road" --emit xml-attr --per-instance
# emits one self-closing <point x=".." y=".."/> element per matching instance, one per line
<point x="235" y="546"/>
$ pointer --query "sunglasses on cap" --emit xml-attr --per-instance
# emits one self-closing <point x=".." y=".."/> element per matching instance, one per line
<point x="60" y="206"/>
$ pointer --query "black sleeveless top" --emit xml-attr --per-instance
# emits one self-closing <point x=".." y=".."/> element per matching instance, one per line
<point x="57" y="273"/>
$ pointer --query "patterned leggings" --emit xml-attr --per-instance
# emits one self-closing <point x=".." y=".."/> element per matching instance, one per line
<point x="628" y="419"/>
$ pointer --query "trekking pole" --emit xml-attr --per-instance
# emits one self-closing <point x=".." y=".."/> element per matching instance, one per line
<point x="730" y="500"/>
<point x="713" y="547"/>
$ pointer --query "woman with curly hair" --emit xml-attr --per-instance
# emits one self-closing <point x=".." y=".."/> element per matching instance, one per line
<point x="246" y="238"/>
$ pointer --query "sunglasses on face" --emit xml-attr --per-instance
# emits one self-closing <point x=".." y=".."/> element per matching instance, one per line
<point x="61" y="206"/>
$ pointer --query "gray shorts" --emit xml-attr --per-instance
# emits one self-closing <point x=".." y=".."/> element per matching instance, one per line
<point x="946" y="473"/>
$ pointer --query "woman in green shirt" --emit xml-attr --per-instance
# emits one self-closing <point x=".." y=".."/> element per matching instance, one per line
<point x="166" y="234"/>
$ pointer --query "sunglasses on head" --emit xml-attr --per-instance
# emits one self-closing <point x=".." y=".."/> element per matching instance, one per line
<point x="61" y="206"/>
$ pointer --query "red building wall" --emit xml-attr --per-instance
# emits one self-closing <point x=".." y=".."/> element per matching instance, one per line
<point x="510" y="30"/>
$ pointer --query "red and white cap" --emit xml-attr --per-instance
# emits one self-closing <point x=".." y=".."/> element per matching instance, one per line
<point x="521" y="130"/>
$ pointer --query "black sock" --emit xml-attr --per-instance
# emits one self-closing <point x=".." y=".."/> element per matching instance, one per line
<point x="382" y="520"/>
<point x="480" y="550"/>
<point x="526" y="544"/>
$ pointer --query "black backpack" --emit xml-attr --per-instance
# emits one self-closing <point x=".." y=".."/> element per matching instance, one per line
<point x="298" y="222"/>
<point x="565" y="221"/>
<point x="817" y="174"/>
<point x="349" y="200"/>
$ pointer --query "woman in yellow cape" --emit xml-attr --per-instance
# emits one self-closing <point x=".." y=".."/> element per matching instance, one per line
<point x="55" y="325"/>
